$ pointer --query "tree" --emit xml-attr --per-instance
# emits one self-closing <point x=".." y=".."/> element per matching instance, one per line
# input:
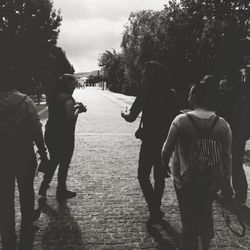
<point x="221" y="29"/>
<point x="58" y="64"/>
<point x="112" y="64"/>
<point x="28" y="35"/>
<point x="189" y="37"/>
<point x="93" y="79"/>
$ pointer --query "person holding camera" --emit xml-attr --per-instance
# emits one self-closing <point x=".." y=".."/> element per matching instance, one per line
<point x="158" y="104"/>
<point x="60" y="135"/>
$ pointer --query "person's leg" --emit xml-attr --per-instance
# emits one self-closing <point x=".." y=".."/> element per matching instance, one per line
<point x="65" y="159"/>
<point x="25" y="181"/>
<point x="144" y="170"/>
<point x="206" y="222"/>
<point x="159" y="180"/>
<point x="54" y="153"/>
<point x="53" y="163"/>
<point x="238" y="174"/>
<point x="188" y="212"/>
<point x="7" y="210"/>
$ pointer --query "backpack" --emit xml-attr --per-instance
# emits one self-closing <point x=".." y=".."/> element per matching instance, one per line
<point x="204" y="171"/>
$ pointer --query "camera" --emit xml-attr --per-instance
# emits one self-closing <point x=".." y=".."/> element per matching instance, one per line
<point x="80" y="107"/>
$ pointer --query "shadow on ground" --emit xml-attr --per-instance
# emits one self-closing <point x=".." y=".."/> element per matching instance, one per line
<point x="62" y="229"/>
<point x="165" y="235"/>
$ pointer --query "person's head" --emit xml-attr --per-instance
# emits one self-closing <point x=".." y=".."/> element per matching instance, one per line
<point x="154" y="74"/>
<point x="204" y="94"/>
<point x="230" y="83"/>
<point x="224" y="87"/>
<point x="66" y="84"/>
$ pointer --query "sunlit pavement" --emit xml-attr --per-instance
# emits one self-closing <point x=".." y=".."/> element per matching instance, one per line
<point x="109" y="211"/>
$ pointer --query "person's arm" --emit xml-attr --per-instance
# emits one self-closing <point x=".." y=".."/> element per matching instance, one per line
<point x="135" y="110"/>
<point x="227" y="152"/>
<point x="36" y="128"/>
<point x="169" y="145"/>
<point x="70" y="111"/>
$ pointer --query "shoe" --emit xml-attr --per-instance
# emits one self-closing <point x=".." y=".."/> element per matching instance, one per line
<point x="43" y="189"/>
<point x="64" y="195"/>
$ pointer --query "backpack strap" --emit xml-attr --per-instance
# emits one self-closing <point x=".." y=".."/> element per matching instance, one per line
<point x="210" y="129"/>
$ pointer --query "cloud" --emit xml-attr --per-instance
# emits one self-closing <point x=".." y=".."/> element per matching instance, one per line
<point x="88" y="39"/>
<point x="89" y="27"/>
<point x="107" y="9"/>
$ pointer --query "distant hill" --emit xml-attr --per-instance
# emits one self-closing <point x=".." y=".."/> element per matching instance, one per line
<point x="87" y="74"/>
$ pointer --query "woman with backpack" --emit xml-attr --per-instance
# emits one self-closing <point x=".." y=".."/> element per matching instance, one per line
<point x="201" y="142"/>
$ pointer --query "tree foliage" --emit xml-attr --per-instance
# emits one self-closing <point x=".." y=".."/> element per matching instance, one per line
<point x="113" y="66"/>
<point x="190" y="38"/>
<point x="28" y="35"/>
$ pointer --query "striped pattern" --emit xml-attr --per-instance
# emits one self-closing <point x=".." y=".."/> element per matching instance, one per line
<point x="205" y="164"/>
<point x="209" y="152"/>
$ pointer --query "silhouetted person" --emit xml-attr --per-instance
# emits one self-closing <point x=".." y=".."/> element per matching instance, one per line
<point x="19" y="128"/>
<point x="233" y="107"/>
<point x="60" y="135"/>
<point x="195" y="198"/>
<point x="158" y="105"/>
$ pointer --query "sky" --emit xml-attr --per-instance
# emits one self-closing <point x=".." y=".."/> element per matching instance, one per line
<point x="90" y="27"/>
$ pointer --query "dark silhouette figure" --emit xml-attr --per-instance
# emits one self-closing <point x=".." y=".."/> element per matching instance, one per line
<point x="60" y="135"/>
<point x="19" y="128"/>
<point x="62" y="229"/>
<point x="233" y="107"/>
<point x="158" y="105"/>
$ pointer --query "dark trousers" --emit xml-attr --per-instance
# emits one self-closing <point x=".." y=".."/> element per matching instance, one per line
<point x="150" y="157"/>
<point x="22" y="170"/>
<point x="196" y="216"/>
<point x="238" y="174"/>
<point x="60" y="149"/>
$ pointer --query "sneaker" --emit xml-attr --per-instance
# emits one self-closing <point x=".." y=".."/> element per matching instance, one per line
<point x="64" y="195"/>
<point x="43" y="189"/>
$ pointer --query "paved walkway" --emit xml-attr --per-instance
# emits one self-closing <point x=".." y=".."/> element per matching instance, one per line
<point x="109" y="211"/>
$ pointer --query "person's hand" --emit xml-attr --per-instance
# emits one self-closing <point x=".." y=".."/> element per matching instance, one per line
<point x="80" y="107"/>
<point x="123" y="114"/>
<point x="127" y="116"/>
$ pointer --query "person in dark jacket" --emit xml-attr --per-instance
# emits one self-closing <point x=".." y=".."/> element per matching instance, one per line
<point x="60" y="135"/>
<point x="233" y="107"/>
<point x="158" y="104"/>
<point x="20" y="127"/>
